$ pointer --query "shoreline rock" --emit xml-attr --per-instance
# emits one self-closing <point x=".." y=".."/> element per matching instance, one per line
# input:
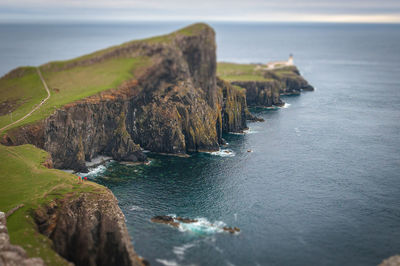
<point x="88" y="229"/>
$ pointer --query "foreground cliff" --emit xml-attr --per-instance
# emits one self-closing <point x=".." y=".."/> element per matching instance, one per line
<point x="87" y="229"/>
<point x="171" y="104"/>
<point x="80" y="222"/>
<point x="264" y="86"/>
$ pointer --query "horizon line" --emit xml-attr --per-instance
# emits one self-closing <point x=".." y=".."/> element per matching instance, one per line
<point x="112" y="21"/>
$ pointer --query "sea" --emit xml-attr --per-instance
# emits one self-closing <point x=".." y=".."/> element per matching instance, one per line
<point x="317" y="183"/>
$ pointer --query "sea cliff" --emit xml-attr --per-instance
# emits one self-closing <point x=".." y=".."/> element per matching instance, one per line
<point x="173" y="105"/>
<point x="264" y="86"/>
<point x="162" y="94"/>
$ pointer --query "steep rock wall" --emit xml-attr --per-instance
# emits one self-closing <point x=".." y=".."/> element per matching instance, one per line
<point x="280" y="82"/>
<point x="88" y="229"/>
<point x="234" y="107"/>
<point x="261" y="93"/>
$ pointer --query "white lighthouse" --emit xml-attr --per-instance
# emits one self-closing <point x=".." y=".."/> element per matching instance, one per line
<point x="290" y="60"/>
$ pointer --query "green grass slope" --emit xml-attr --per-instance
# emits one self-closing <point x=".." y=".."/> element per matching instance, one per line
<point x="251" y="72"/>
<point x="24" y="180"/>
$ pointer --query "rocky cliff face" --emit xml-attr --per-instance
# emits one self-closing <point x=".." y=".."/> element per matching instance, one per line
<point x="11" y="255"/>
<point x="261" y="93"/>
<point x="88" y="229"/>
<point x="174" y="106"/>
<point x="286" y="81"/>
<point x="234" y="107"/>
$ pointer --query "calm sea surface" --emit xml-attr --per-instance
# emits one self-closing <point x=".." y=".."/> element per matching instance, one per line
<point x="322" y="185"/>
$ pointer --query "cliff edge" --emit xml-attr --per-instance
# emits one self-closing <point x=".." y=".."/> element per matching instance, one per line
<point x="80" y="222"/>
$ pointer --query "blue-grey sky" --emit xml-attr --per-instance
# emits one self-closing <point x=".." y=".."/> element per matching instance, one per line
<point x="383" y="11"/>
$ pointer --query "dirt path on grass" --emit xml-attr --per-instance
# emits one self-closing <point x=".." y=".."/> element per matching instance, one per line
<point x="36" y="107"/>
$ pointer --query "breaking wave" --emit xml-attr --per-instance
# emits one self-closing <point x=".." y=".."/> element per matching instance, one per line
<point x="223" y="153"/>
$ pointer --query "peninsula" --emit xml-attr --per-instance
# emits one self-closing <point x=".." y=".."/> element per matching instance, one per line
<point x="165" y="94"/>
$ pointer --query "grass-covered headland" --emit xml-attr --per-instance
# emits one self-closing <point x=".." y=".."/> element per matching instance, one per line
<point x="25" y="180"/>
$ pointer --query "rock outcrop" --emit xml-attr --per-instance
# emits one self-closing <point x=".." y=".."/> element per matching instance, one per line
<point x="88" y="229"/>
<point x="285" y="81"/>
<point x="234" y="107"/>
<point x="11" y="255"/>
<point x="392" y="261"/>
<point x="261" y="93"/>
<point x="175" y="221"/>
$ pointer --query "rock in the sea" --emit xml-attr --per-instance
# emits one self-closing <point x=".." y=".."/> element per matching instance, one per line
<point x="11" y="255"/>
<point x="392" y="261"/>
<point x="165" y="219"/>
<point x="231" y="230"/>
<point x="186" y="220"/>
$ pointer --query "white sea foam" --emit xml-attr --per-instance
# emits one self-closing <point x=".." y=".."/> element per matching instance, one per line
<point x="179" y="251"/>
<point x="202" y="227"/>
<point x="286" y="105"/>
<point x="223" y="153"/>
<point x="135" y="208"/>
<point x="244" y="132"/>
<point x="250" y="131"/>
<point x="94" y="171"/>
<point x="167" y="262"/>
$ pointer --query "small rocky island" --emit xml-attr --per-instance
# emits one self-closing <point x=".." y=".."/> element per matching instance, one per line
<point x="165" y="94"/>
<point x="175" y="221"/>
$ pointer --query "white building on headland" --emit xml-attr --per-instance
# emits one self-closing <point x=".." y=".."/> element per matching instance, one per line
<point x="279" y="64"/>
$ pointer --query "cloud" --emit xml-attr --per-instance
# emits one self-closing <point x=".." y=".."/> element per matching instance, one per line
<point x="208" y="10"/>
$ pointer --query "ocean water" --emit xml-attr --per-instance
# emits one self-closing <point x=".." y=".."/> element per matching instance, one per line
<point x="322" y="183"/>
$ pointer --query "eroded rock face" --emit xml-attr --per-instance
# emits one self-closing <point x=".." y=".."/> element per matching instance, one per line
<point x="267" y="93"/>
<point x="173" y="106"/>
<point x="261" y="93"/>
<point x="88" y="229"/>
<point x="11" y="255"/>
<point x="234" y="107"/>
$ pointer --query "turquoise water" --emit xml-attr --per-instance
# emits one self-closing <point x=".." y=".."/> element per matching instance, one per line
<point x="322" y="183"/>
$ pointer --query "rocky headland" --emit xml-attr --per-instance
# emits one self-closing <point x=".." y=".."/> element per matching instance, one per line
<point x="264" y="86"/>
<point x="173" y="103"/>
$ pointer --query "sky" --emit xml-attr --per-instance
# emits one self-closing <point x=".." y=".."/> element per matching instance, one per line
<point x="353" y="11"/>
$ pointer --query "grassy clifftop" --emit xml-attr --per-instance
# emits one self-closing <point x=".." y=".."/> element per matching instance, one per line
<point x="24" y="180"/>
<point x="252" y="72"/>
<point x="71" y="80"/>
